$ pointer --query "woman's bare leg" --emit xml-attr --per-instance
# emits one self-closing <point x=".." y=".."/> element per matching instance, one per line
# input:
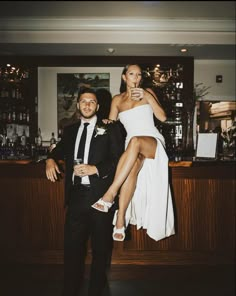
<point x="126" y="194"/>
<point x="145" y="146"/>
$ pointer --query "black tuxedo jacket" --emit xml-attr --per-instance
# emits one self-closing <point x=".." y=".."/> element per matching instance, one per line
<point x="104" y="152"/>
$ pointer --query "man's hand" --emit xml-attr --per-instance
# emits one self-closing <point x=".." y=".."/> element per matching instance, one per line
<point x="82" y="170"/>
<point x="52" y="170"/>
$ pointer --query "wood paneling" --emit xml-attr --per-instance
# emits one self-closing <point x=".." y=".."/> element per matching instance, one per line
<point x="32" y="218"/>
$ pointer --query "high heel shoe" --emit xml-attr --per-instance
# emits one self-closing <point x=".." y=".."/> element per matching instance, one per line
<point x="102" y="205"/>
<point x="118" y="231"/>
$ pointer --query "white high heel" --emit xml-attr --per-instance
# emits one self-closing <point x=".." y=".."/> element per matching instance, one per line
<point x="104" y="205"/>
<point x="118" y="231"/>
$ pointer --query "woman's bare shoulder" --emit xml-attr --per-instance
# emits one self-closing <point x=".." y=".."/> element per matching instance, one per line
<point x="117" y="96"/>
<point x="150" y="90"/>
<point x="117" y="99"/>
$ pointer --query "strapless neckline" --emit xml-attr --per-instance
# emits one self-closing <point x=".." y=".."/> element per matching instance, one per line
<point x="135" y="108"/>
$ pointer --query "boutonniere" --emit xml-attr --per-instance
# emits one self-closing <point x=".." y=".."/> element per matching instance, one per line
<point x="100" y="130"/>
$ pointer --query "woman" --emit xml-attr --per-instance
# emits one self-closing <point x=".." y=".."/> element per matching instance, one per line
<point x="142" y="171"/>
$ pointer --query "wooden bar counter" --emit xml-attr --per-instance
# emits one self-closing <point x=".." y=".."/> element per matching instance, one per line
<point x="32" y="217"/>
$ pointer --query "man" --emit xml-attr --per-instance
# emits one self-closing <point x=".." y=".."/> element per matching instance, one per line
<point x="84" y="184"/>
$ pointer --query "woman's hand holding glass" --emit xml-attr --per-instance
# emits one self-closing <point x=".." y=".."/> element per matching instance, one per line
<point x="136" y="93"/>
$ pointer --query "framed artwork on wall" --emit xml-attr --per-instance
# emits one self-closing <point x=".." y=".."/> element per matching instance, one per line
<point x="68" y="87"/>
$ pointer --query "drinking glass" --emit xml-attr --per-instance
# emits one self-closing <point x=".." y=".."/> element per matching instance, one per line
<point x="78" y="161"/>
<point x="135" y="93"/>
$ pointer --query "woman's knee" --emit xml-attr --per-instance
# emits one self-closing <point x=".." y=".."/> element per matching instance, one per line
<point x="141" y="158"/>
<point x="134" y="143"/>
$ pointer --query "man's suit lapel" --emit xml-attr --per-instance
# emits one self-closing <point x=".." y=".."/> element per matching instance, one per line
<point x="73" y="137"/>
<point x="92" y="145"/>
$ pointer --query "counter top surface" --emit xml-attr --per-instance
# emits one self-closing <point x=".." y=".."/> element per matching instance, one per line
<point x="182" y="163"/>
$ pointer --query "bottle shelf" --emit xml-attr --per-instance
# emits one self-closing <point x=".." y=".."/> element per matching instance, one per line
<point x="170" y="85"/>
<point x="17" y="110"/>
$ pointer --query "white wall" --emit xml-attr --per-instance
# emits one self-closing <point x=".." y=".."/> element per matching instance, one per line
<point x="204" y="71"/>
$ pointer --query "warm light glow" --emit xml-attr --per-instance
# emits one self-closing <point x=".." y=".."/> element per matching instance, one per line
<point x="12" y="73"/>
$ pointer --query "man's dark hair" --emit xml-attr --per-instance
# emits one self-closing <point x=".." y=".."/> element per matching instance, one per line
<point x="86" y="90"/>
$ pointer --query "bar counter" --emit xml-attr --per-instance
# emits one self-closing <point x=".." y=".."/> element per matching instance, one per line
<point x="32" y="217"/>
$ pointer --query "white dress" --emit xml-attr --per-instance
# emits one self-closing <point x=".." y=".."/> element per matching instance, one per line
<point x="151" y="206"/>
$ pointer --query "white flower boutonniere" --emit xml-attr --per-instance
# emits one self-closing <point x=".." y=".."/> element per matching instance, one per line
<point x="100" y="130"/>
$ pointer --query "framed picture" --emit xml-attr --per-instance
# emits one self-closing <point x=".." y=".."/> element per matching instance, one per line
<point x="68" y="87"/>
<point x="206" y="145"/>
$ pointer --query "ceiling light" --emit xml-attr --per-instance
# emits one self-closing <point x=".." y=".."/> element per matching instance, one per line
<point x="183" y="50"/>
<point x="110" y="50"/>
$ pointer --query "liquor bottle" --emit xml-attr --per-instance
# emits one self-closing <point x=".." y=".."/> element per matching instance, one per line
<point x="178" y="119"/>
<point x="27" y="116"/>
<point x="13" y="114"/>
<point x="4" y="115"/>
<point x="24" y="115"/>
<point x="53" y="139"/>
<point x="178" y="108"/>
<point x="9" y="114"/>
<point x="13" y="92"/>
<point x="23" y="138"/>
<point x="38" y="139"/>
<point x="4" y="138"/>
<point x="59" y="135"/>
<point x="14" y="136"/>
<point x="53" y="142"/>
<point x="18" y="94"/>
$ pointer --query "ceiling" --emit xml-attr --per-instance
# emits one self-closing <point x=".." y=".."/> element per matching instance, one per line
<point x="128" y="28"/>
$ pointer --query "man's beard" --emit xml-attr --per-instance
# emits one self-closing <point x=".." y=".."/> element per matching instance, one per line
<point x="87" y="116"/>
